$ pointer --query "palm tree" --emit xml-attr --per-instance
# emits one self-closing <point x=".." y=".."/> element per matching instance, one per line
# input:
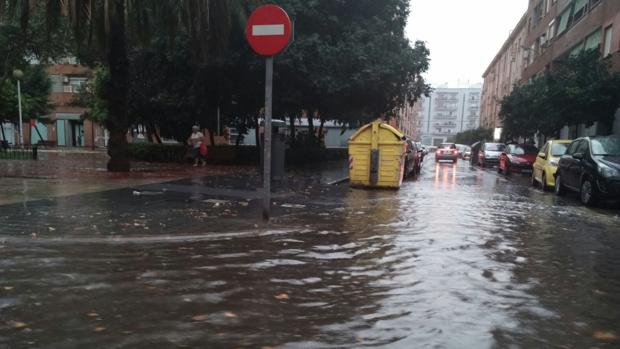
<point x="102" y="29"/>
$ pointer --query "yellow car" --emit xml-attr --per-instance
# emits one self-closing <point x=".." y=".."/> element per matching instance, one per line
<point x="547" y="163"/>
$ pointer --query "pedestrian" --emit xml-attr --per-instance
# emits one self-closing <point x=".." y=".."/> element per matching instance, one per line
<point x="199" y="147"/>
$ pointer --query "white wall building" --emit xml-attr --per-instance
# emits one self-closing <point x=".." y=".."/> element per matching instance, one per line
<point x="448" y="111"/>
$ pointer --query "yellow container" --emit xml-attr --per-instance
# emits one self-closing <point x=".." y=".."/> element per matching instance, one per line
<point x="377" y="156"/>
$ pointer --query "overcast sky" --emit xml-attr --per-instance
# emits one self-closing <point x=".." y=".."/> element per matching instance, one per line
<point x="463" y="35"/>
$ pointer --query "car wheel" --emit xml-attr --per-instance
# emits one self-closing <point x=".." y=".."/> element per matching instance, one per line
<point x="543" y="182"/>
<point x="533" y="180"/>
<point x="483" y="163"/>
<point x="507" y="170"/>
<point x="559" y="189"/>
<point x="499" y="168"/>
<point x="588" y="192"/>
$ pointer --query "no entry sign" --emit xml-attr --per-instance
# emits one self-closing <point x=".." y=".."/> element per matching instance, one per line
<point x="268" y="30"/>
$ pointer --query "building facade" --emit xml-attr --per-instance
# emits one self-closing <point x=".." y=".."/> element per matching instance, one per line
<point x="407" y="119"/>
<point x="503" y="73"/>
<point x="446" y="112"/>
<point x="549" y="31"/>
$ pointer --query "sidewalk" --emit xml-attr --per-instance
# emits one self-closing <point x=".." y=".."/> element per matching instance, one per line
<point x="58" y="174"/>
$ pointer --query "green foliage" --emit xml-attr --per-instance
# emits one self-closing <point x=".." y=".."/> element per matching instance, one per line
<point x="158" y="152"/>
<point x="580" y="89"/>
<point x="472" y="136"/>
<point x="93" y="96"/>
<point x="35" y="88"/>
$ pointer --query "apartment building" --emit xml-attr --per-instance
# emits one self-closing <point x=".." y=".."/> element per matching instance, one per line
<point x="503" y="73"/>
<point x="65" y="125"/>
<point x="551" y="30"/>
<point x="406" y="119"/>
<point x="446" y="112"/>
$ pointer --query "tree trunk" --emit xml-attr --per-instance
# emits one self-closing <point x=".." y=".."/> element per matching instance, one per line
<point x="311" y="135"/>
<point x="117" y="122"/>
<point x="2" y="129"/>
<point x="321" y="137"/>
<point x="292" y="128"/>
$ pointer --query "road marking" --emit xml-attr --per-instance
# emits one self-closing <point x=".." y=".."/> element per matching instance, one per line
<point x="268" y="30"/>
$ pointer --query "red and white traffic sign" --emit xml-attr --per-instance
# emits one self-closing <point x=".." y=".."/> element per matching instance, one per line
<point x="269" y="30"/>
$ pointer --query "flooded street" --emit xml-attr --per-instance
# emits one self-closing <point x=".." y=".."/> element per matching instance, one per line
<point x="458" y="258"/>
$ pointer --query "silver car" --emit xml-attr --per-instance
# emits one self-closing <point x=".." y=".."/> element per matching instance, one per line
<point x="489" y="154"/>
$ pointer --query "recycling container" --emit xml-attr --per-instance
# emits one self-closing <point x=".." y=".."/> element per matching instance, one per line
<point x="377" y="156"/>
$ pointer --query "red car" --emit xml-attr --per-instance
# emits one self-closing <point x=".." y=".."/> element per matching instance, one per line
<point x="517" y="158"/>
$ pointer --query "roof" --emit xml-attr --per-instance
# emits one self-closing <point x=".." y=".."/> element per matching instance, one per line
<point x="68" y="69"/>
<point x="520" y="25"/>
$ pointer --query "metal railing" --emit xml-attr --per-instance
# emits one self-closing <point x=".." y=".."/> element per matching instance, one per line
<point x="28" y="152"/>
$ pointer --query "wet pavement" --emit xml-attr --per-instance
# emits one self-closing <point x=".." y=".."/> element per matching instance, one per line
<point x="458" y="258"/>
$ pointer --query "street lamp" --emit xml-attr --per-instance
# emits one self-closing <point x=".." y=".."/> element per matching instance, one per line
<point x="18" y="75"/>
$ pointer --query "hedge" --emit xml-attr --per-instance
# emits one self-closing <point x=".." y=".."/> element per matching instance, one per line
<point x="242" y="155"/>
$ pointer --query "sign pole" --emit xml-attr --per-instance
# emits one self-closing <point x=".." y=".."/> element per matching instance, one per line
<point x="267" y="139"/>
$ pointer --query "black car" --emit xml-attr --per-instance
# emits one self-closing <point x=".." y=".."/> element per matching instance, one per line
<point x="413" y="159"/>
<point x="590" y="166"/>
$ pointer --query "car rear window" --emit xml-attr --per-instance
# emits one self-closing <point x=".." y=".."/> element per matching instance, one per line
<point x="494" y="147"/>
<point x="558" y="149"/>
<point x="527" y="149"/>
<point x="448" y="146"/>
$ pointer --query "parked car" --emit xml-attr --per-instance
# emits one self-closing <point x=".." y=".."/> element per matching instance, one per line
<point x="422" y="148"/>
<point x="447" y="151"/>
<point x="546" y="163"/>
<point x="590" y="166"/>
<point x="489" y="153"/>
<point x="413" y="159"/>
<point x="464" y="151"/>
<point x="475" y="150"/>
<point x="517" y="158"/>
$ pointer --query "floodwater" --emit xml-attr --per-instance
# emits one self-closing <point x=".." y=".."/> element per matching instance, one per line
<point x="458" y="258"/>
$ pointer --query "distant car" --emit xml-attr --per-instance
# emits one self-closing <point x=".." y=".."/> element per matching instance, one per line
<point x="546" y="163"/>
<point x="447" y="151"/>
<point x="413" y="159"/>
<point x="517" y="158"/>
<point x="489" y="153"/>
<point x="590" y="166"/>
<point x="464" y="151"/>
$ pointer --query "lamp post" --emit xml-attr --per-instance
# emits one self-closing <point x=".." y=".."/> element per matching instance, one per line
<point x="18" y="75"/>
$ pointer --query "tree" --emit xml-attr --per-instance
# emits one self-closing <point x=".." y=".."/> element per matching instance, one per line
<point x="580" y="89"/>
<point x="35" y="88"/>
<point x="584" y="90"/>
<point x="472" y="136"/>
<point x="102" y="30"/>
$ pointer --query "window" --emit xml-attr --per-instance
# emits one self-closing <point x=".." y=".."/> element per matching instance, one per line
<point x="67" y="89"/>
<point x="563" y="21"/>
<point x="577" y="49"/>
<point x="593" y="41"/>
<point x="580" y="9"/>
<point x="551" y="30"/>
<point x="558" y="149"/>
<point x="583" y="147"/>
<point x="571" y="149"/>
<point x="606" y="146"/>
<point x="607" y="42"/>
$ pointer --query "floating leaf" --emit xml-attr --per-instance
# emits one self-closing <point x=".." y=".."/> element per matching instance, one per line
<point x="282" y="296"/>
<point x="199" y="317"/>
<point x="92" y="314"/>
<point x="100" y="329"/>
<point x="230" y="314"/>
<point x="19" y="324"/>
<point x="8" y="288"/>
<point x="605" y="335"/>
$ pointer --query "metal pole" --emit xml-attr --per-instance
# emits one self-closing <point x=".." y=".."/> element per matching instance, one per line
<point x="267" y="139"/>
<point x="218" y="120"/>
<point x="19" y="104"/>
